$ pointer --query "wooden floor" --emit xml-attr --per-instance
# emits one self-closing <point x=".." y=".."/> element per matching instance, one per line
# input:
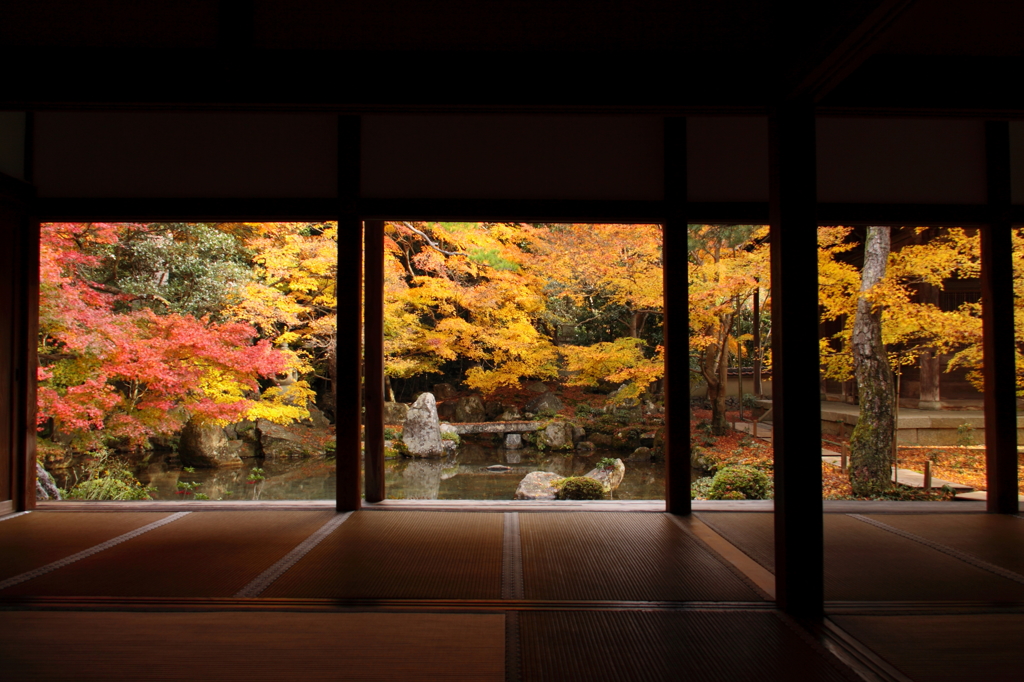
<point x="501" y="595"/>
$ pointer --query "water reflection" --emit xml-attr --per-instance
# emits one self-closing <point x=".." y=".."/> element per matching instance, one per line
<point x="463" y="475"/>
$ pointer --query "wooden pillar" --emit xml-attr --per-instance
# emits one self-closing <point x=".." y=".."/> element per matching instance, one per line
<point x="349" y="352"/>
<point x="373" y="358"/>
<point x="676" y="322"/>
<point x="998" y="327"/>
<point x="799" y="544"/>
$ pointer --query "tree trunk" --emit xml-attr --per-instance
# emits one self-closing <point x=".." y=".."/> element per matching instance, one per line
<point x="871" y="445"/>
<point x="715" y="372"/>
<point x="931" y="370"/>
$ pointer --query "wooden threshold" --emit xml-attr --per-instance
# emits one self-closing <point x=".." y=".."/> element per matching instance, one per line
<point x="649" y="506"/>
<point x="193" y="604"/>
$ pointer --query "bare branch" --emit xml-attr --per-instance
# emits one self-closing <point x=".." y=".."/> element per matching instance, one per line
<point x="432" y="243"/>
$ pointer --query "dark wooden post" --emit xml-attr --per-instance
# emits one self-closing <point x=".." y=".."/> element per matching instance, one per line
<point x="349" y="351"/>
<point x="373" y="358"/>
<point x="998" y="327"/>
<point x="19" y="295"/>
<point x="676" y="322"/>
<point x="799" y="542"/>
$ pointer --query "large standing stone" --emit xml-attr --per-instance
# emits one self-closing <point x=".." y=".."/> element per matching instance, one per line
<point x="289" y="442"/>
<point x="538" y="387"/>
<point x="395" y="413"/>
<point x="422" y="431"/>
<point x="557" y="436"/>
<point x="470" y="409"/>
<point x="207" y="446"/>
<point x="513" y="441"/>
<point x="548" y="402"/>
<point x="536" y="485"/>
<point x="609" y="478"/>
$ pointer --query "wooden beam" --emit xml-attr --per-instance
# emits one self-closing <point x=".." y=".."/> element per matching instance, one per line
<point x="373" y="358"/>
<point x="844" y="49"/>
<point x="348" y="397"/>
<point x="799" y="543"/>
<point x="998" y="327"/>
<point x="676" y="323"/>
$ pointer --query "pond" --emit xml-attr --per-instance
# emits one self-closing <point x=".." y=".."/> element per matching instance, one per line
<point x="460" y="476"/>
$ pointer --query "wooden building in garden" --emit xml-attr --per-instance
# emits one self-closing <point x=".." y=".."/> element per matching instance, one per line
<point x="858" y="112"/>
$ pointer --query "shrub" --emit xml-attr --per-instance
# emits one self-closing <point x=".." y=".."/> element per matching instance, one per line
<point x="452" y="436"/>
<point x="579" y="488"/>
<point x="701" y="488"/>
<point x="109" y="478"/>
<point x="740" y="483"/>
<point x="391" y="433"/>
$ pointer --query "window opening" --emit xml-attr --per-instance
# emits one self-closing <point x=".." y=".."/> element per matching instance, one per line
<point x="187" y="360"/>
<point x="521" y="356"/>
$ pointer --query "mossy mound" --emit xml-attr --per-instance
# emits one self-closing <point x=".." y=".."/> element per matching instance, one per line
<point x="579" y="488"/>
<point x="740" y="483"/>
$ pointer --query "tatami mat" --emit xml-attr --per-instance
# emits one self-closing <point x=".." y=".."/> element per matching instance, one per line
<point x="945" y="648"/>
<point x="204" y="554"/>
<point x="863" y="562"/>
<point x="752" y="532"/>
<point x="995" y="538"/>
<point x="251" y="647"/>
<point x="406" y="555"/>
<point x="622" y="556"/>
<point x="34" y="540"/>
<point x="704" y="646"/>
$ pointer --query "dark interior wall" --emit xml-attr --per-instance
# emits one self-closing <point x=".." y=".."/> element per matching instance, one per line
<point x="926" y="161"/>
<point x="512" y="157"/>
<point x="495" y="156"/>
<point x="172" y="154"/>
<point x="727" y="158"/>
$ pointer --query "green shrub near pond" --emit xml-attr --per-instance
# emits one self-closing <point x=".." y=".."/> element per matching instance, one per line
<point x="579" y="488"/>
<point x="740" y="483"/>
<point x="109" y="478"/>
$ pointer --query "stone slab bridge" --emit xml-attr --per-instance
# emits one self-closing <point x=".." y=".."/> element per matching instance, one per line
<point x="512" y="430"/>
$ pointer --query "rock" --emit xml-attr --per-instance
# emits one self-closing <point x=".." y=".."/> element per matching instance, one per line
<point x="578" y="433"/>
<point x="316" y="418"/>
<point x="449" y="445"/>
<point x="446" y="410"/>
<point x="492" y="408"/>
<point x="498" y="467"/>
<point x="627" y="439"/>
<point x="292" y="441"/>
<point x="548" y="402"/>
<point x="443" y="391"/>
<point x="538" y="387"/>
<point x="536" y="485"/>
<point x="207" y="446"/>
<point x="46" y="489"/>
<point x="609" y="478"/>
<point x="395" y="413"/>
<point x="422" y="431"/>
<point x="245" y="430"/>
<point x="513" y="441"/>
<point x="557" y="436"/>
<point x="510" y="415"/>
<point x="585" y="446"/>
<point x="641" y="454"/>
<point x="601" y="440"/>
<point x="470" y="409"/>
